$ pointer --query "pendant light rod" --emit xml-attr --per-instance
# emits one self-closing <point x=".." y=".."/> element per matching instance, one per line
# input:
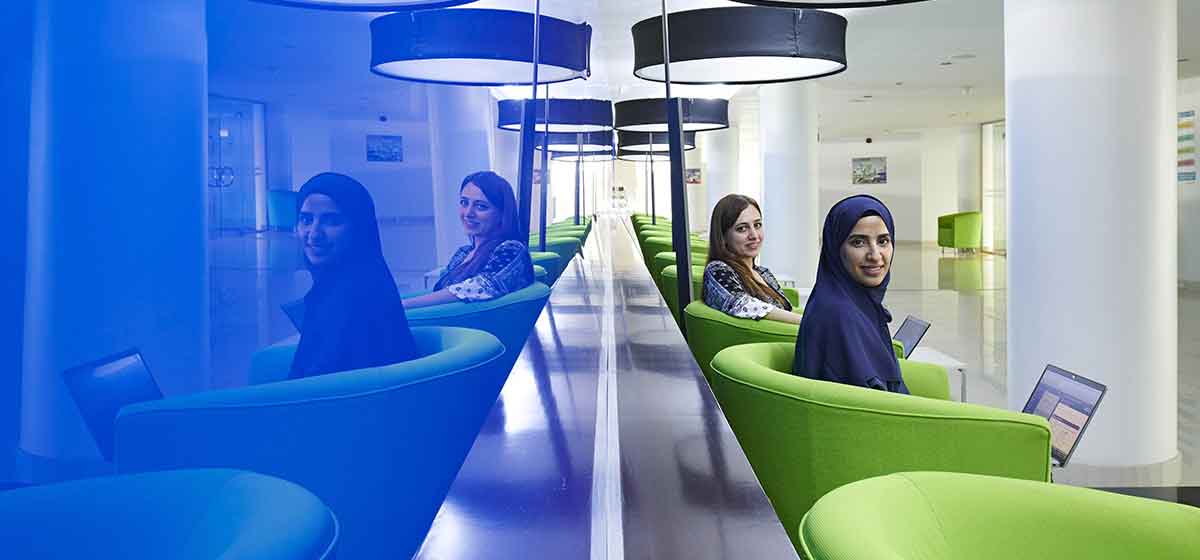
<point x="528" y="117"/>
<point x="653" y="195"/>
<point x="679" y="213"/>
<point x="578" y="173"/>
<point x="545" y="178"/>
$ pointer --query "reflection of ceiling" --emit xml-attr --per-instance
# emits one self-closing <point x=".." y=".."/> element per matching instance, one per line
<point x="317" y="60"/>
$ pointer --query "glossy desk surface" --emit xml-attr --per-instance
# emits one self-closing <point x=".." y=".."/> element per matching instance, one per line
<point x="675" y="485"/>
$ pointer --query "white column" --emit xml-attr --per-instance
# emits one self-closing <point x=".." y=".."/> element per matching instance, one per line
<point x="788" y="143"/>
<point x="720" y="166"/>
<point x="116" y="238"/>
<point x="1090" y="94"/>
<point x="460" y="125"/>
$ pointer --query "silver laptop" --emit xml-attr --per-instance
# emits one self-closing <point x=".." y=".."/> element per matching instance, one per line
<point x="911" y="331"/>
<point x="101" y="387"/>
<point x="1068" y="401"/>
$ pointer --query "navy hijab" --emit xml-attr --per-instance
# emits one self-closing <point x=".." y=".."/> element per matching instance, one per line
<point x="353" y="316"/>
<point x="844" y="333"/>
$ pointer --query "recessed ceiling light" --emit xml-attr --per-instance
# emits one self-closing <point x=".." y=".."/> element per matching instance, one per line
<point x="963" y="56"/>
<point x="868" y="97"/>
<point x="945" y="63"/>
<point x="1184" y="59"/>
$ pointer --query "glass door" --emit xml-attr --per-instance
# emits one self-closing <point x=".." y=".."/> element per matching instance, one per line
<point x="995" y="188"/>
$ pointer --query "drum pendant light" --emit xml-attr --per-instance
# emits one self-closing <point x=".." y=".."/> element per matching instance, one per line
<point x="569" y="142"/>
<point x="650" y="115"/>
<point x="742" y="45"/>
<point x="652" y="141"/>
<point x="826" y="3"/>
<point x="585" y="157"/>
<point x="477" y="47"/>
<point x="565" y="115"/>
<point x="368" y="5"/>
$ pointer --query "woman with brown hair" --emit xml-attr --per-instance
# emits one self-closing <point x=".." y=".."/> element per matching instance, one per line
<point x="733" y="283"/>
<point x="495" y="262"/>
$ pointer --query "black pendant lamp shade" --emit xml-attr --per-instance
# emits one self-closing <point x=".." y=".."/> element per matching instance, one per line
<point x="368" y="5"/>
<point x="566" y="115"/>
<point x="657" y="157"/>
<point x="650" y="115"/>
<point x="587" y="157"/>
<point x="652" y="141"/>
<point x="569" y="142"/>
<point x="825" y="3"/>
<point x="477" y="47"/>
<point x="742" y="46"/>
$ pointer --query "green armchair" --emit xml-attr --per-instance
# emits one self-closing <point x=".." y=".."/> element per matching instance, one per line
<point x="805" y="437"/>
<point x="667" y="258"/>
<point x="944" y="516"/>
<point x="657" y="244"/>
<point x="963" y="230"/>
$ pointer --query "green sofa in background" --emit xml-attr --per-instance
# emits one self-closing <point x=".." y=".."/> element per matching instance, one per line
<point x="281" y="209"/>
<point x="805" y="437"/>
<point x="963" y="230"/>
<point x="950" y="516"/>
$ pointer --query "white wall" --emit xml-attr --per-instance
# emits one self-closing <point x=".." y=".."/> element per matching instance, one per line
<point x="950" y="163"/>
<point x="902" y="193"/>
<point x="1189" y="198"/>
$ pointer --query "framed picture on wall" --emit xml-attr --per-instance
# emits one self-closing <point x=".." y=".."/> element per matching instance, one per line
<point x="386" y="148"/>
<point x="691" y="176"/>
<point x="868" y="171"/>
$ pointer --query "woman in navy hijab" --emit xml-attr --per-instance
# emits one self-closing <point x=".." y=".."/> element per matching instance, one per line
<point x="353" y="317"/>
<point x="844" y="331"/>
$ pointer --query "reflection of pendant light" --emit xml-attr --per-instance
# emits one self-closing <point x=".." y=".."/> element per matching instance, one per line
<point x="477" y="47"/>
<point x="652" y="141"/>
<point x="826" y="3"/>
<point x="570" y="142"/>
<point x="650" y="115"/>
<point x="565" y="115"/>
<point x="368" y="5"/>
<point x="742" y="46"/>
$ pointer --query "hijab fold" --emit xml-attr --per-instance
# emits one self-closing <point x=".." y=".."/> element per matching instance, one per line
<point x="353" y="316"/>
<point x="844" y="333"/>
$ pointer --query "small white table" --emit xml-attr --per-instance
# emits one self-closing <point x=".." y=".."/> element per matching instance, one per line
<point x="933" y="356"/>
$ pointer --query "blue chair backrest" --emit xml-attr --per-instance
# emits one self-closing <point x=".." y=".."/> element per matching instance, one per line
<point x="380" y="446"/>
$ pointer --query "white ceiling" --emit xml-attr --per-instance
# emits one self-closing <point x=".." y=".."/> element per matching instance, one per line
<point x="316" y="60"/>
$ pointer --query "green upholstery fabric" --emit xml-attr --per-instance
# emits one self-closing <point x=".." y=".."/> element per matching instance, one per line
<point x="667" y="258"/>
<point x="670" y="287"/>
<point x="539" y="273"/>
<point x="710" y="331"/>
<point x="654" y="245"/>
<point x="805" y="437"/>
<point x="951" y="516"/>
<point x="549" y="261"/>
<point x="963" y="230"/>
<point x="565" y="247"/>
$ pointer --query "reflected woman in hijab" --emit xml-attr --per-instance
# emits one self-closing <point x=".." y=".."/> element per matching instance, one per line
<point x="353" y="317"/>
<point x="844" y="332"/>
<point x="495" y="262"/>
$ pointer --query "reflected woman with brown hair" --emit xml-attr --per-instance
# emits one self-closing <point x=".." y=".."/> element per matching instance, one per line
<point x="733" y="283"/>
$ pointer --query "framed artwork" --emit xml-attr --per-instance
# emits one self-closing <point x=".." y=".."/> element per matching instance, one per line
<point x="868" y="171"/>
<point x="691" y="176"/>
<point x="1185" y="162"/>
<point x="382" y="147"/>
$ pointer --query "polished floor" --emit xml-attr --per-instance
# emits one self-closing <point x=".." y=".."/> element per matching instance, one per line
<point x="963" y="296"/>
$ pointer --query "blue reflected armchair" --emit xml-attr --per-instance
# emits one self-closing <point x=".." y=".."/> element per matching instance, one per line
<point x="377" y="445"/>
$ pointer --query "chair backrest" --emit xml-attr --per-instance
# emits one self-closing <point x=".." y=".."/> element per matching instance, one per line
<point x="943" y="516"/>
<point x="565" y="247"/>
<point x="669" y="282"/>
<point x="667" y="258"/>
<point x="195" y="514"/>
<point x="510" y="317"/>
<point x="380" y="446"/>
<point x="710" y="331"/>
<point x="654" y="245"/>
<point x="805" y="437"/>
<point x="549" y="261"/>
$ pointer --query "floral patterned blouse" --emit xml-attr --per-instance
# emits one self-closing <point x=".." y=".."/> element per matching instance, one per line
<point x="507" y="270"/>
<point x="724" y="291"/>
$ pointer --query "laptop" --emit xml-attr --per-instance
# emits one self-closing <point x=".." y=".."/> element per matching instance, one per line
<point x="910" y="333"/>
<point x="1068" y="401"/>
<point x="101" y="387"/>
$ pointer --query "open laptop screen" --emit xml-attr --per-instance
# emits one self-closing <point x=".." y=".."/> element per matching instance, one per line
<point x="1068" y="401"/>
<point x="910" y="333"/>
<point x="100" y="388"/>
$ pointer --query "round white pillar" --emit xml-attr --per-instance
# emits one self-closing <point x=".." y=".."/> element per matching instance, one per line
<point x="720" y="166"/>
<point x="460" y="126"/>
<point x="788" y="140"/>
<point x="1092" y="262"/>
